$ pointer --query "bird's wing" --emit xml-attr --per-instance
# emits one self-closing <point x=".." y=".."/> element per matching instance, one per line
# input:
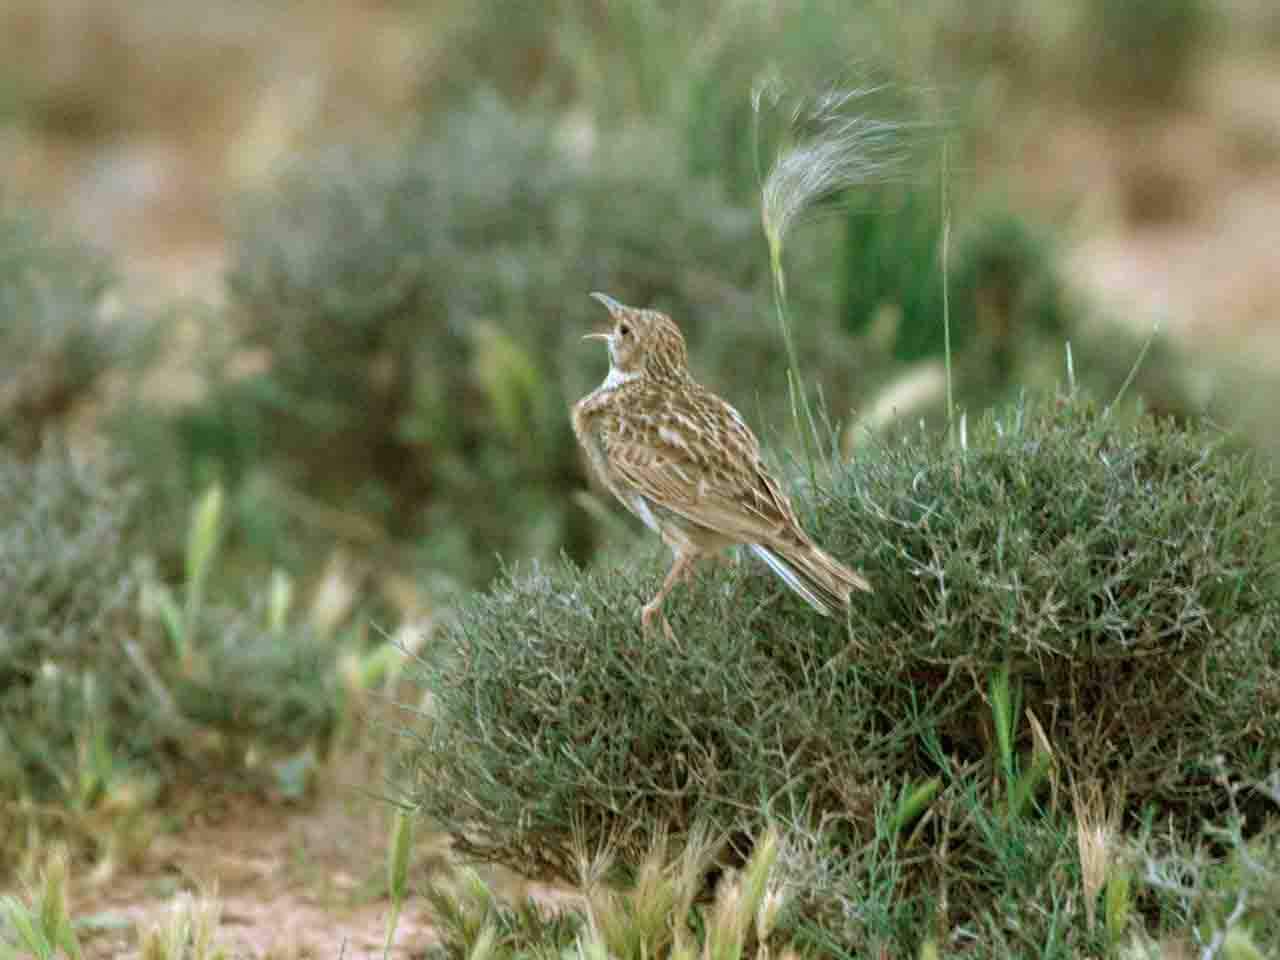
<point x="697" y="458"/>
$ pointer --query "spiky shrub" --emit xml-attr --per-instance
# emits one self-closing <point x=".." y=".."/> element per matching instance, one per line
<point x="420" y="308"/>
<point x="68" y="587"/>
<point x="53" y="342"/>
<point x="1224" y="887"/>
<point x="98" y="702"/>
<point x="1125" y="575"/>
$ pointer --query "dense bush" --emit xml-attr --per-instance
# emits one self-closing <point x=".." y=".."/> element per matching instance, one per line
<point x="1124" y="574"/>
<point x="68" y="589"/>
<point x="97" y="692"/>
<point x="53" y="341"/>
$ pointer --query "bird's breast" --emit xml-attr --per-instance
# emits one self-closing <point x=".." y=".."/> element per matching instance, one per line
<point x="591" y="436"/>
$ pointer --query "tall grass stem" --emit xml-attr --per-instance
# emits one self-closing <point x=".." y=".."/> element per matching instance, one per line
<point x="946" y="290"/>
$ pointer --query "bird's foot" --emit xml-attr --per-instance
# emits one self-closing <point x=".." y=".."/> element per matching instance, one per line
<point x="651" y="611"/>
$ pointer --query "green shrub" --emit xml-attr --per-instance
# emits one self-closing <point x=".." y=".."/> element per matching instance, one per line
<point x="99" y="702"/>
<point x="54" y="341"/>
<point x="1224" y="885"/>
<point x="68" y="589"/>
<point x="1125" y="574"/>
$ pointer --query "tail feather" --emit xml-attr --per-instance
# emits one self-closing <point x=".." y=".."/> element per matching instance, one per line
<point x="823" y="581"/>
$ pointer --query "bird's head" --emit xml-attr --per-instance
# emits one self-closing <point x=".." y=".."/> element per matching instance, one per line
<point x="643" y="342"/>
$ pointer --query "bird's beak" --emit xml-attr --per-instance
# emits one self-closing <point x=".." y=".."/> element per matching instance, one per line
<point x="613" y="307"/>
<point x="611" y="304"/>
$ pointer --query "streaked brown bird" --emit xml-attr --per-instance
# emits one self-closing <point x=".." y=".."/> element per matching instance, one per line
<point x="684" y="461"/>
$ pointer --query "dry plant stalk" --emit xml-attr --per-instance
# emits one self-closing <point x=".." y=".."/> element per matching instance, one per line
<point x="1097" y="832"/>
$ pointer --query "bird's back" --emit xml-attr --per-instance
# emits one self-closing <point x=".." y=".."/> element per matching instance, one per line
<point x="689" y="454"/>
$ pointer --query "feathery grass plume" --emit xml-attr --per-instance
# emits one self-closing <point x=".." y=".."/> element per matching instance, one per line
<point x="756" y="886"/>
<point x="635" y="922"/>
<point x="702" y="844"/>
<point x="1097" y="829"/>
<point x="833" y="143"/>
<point x="397" y="873"/>
<point x="837" y="144"/>
<point x="187" y="933"/>
<point x="205" y="914"/>
<point x="462" y="909"/>
<point x="485" y="944"/>
<point x="475" y="923"/>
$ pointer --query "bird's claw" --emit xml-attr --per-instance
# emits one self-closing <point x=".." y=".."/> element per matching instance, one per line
<point x="647" y="614"/>
<point x="669" y="633"/>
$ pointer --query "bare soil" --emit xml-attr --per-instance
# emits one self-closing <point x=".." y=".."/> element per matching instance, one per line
<point x="304" y="879"/>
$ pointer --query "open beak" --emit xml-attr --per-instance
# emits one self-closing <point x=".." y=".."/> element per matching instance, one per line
<point x="611" y="304"/>
<point x="613" y="307"/>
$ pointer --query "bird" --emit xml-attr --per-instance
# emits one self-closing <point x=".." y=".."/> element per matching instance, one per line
<point x="685" y="462"/>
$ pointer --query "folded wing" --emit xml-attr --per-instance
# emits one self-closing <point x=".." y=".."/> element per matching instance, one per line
<point x="699" y="460"/>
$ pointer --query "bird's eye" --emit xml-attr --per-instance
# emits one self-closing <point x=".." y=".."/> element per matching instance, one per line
<point x="624" y="330"/>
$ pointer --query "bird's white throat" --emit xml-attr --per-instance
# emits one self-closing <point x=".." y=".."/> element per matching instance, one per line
<point x="617" y="378"/>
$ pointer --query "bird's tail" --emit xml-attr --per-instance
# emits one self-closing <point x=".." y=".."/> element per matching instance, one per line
<point x="824" y="582"/>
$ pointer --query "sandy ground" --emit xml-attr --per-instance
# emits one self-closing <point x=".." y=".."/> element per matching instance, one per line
<point x="290" y="880"/>
<point x="1179" y="220"/>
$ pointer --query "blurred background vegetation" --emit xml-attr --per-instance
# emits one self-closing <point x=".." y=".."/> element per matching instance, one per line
<point x="352" y="265"/>
<point x="330" y="262"/>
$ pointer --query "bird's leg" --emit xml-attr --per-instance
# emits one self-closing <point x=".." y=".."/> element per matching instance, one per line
<point x="728" y="558"/>
<point x="680" y="569"/>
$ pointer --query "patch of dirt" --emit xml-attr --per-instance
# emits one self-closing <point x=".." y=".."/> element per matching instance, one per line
<point x="1177" y="217"/>
<point x="292" y="880"/>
